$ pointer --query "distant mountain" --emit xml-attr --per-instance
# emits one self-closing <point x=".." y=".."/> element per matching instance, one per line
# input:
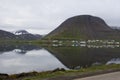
<point x="25" y="35"/>
<point x="28" y="37"/>
<point x="6" y="35"/>
<point x="84" y="27"/>
<point x="21" y="32"/>
<point x="115" y="27"/>
<point x="18" y="35"/>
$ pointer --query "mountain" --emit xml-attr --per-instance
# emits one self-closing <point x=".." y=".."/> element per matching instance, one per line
<point x="25" y="35"/>
<point x="18" y="35"/>
<point x="28" y="37"/>
<point x="6" y="35"/>
<point x="83" y="27"/>
<point x="115" y="27"/>
<point x="21" y="32"/>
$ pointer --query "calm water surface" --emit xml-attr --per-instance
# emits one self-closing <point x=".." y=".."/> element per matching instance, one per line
<point x="25" y="58"/>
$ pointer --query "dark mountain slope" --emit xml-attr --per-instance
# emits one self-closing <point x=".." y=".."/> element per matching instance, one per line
<point x="25" y="35"/>
<point x="83" y="27"/>
<point x="6" y="35"/>
<point x="19" y="35"/>
<point x="28" y="37"/>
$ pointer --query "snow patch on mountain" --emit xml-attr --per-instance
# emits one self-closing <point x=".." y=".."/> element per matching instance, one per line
<point x="20" y="32"/>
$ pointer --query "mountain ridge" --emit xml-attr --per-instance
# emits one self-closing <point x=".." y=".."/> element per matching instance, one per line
<point x="18" y="35"/>
<point x="83" y="27"/>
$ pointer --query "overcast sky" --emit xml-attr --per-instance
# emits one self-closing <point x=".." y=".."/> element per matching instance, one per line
<point x="43" y="16"/>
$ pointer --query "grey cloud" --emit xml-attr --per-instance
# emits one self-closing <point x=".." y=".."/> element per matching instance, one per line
<point x="42" y="16"/>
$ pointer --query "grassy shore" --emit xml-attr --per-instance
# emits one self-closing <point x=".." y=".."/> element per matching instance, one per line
<point x="63" y="74"/>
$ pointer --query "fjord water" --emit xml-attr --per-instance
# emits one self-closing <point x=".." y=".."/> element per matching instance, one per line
<point x="25" y="58"/>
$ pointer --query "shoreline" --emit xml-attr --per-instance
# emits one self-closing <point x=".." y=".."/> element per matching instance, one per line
<point x="83" y="75"/>
<point x="61" y="74"/>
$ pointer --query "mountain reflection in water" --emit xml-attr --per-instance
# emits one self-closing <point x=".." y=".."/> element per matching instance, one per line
<point x="25" y="58"/>
<point x="76" y="57"/>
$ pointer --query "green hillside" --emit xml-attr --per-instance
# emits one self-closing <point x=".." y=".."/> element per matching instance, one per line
<point x="84" y="27"/>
